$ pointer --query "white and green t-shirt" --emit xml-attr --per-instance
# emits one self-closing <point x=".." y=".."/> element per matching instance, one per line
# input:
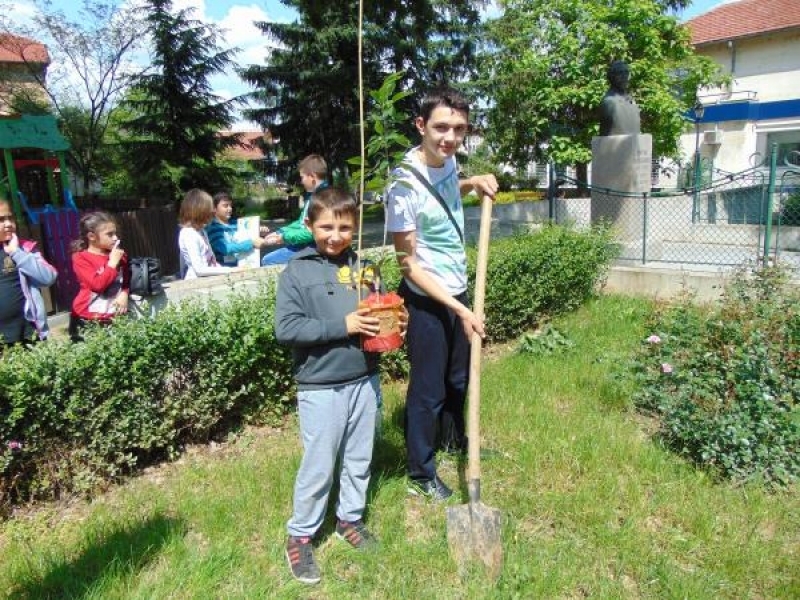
<point x="411" y="207"/>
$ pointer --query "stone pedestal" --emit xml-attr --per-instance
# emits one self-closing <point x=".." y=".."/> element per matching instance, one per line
<point x="621" y="172"/>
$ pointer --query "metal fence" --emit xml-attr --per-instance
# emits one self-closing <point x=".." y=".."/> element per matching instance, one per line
<point x="743" y="217"/>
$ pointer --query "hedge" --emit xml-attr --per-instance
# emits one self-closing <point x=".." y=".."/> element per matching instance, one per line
<point x="74" y="418"/>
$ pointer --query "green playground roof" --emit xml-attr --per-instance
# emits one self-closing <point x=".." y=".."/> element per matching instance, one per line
<point x="27" y="131"/>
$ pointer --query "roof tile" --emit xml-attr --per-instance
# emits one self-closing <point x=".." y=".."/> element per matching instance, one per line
<point x="17" y="49"/>
<point x="744" y="18"/>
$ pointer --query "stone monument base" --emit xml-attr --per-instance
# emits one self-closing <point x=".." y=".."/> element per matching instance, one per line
<point x="621" y="172"/>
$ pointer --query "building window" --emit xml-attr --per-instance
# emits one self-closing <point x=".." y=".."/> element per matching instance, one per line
<point x="788" y="142"/>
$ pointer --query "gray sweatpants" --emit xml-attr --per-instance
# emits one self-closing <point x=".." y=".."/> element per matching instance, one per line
<point x="334" y="422"/>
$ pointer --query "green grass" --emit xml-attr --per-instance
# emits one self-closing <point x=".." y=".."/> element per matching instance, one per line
<point x="592" y="507"/>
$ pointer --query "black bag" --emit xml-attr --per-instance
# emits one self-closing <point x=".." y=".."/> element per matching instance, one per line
<point x="146" y="276"/>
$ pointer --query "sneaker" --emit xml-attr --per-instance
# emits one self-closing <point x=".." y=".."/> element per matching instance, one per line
<point x="434" y="489"/>
<point x="300" y="556"/>
<point x="357" y="534"/>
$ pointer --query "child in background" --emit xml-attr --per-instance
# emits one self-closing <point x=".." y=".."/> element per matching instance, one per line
<point x="23" y="273"/>
<point x="197" y="257"/>
<point x="338" y="387"/>
<point x="101" y="268"/>
<point x="225" y="239"/>
<point x="295" y="236"/>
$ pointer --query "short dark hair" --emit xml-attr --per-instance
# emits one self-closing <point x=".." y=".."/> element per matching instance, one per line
<point x="338" y="201"/>
<point x="442" y="96"/>
<point x="220" y="196"/>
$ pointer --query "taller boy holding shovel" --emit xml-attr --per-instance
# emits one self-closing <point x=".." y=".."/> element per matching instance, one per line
<point x="426" y="218"/>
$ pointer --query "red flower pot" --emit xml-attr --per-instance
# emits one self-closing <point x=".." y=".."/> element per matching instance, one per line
<point x="387" y="307"/>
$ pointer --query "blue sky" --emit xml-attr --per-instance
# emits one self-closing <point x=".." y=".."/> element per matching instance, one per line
<point x="236" y="18"/>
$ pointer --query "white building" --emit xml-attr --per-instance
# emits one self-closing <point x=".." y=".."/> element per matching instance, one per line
<point x="756" y="42"/>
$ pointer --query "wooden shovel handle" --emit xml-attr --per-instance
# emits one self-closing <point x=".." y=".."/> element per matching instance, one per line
<point x="473" y="415"/>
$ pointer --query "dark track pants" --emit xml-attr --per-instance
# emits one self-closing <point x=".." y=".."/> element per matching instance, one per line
<point x="438" y="350"/>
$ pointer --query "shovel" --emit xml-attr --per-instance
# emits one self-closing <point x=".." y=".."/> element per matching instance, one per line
<point x="473" y="530"/>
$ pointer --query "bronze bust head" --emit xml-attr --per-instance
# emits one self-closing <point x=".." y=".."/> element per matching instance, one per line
<point x="619" y="114"/>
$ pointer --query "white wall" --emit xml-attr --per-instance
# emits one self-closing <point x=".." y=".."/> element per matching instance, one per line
<point x="764" y="68"/>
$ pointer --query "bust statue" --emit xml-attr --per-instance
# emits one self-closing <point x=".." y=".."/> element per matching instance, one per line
<point x="619" y="114"/>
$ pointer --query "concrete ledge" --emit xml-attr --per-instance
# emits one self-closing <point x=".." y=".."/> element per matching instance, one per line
<point x="665" y="283"/>
<point x="662" y="284"/>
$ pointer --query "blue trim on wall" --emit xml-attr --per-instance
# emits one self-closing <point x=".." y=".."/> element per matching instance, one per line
<point x="749" y="111"/>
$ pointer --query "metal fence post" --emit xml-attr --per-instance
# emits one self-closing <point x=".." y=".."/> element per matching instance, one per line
<point x="644" y="228"/>
<point x="773" y="167"/>
<point x="551" y="191"/>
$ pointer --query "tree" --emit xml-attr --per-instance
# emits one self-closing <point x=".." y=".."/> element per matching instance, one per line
<point x="544" y="74"/>
<point x="91" y="68"/>
<point x="175" y="117"/>
<point x="307" y="93"/>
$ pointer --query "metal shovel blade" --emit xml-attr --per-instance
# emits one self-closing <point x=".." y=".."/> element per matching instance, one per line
<point x="473" y="533"/>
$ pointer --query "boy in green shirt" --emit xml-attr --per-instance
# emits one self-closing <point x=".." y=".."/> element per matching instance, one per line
<point x="296" y="236"/>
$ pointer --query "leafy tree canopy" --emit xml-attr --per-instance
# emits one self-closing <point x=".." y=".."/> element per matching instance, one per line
<point x="544" y="74"/>
<point x="91" y="68"/>
<point x="307" y="92"/>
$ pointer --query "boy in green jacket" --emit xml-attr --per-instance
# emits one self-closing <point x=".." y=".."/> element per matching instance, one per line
<point x="296" y="236"/>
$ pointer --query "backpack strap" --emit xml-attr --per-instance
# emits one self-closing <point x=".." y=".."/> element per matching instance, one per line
<point x="435" y="193"/>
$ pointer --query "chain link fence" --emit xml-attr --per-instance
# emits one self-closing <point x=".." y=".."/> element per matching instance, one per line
<point x="735" y="219"/>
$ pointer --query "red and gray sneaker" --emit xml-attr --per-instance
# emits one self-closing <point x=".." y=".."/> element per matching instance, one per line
<point x="357" y="534"/>
<point x="300" y="556"/>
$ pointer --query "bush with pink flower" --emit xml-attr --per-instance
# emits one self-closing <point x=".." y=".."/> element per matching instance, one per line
<point x="724" y="380"/>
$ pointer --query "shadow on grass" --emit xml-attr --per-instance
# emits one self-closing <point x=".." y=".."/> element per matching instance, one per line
<point x="117" y="555"/>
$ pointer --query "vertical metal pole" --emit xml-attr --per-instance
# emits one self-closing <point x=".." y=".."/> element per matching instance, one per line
<point x="644" y="228"/>
<point x="773" y="167"/>
<point x="12" y="184"/>
<point x="551" y="192"/>
<point x="51" y="184"/>
<point x="62" y="165"/>
<point x="696" y="186"/>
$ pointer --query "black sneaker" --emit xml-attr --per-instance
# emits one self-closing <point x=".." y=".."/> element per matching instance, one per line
<point x="357" y="534"/>
<point x="300" y="556"/>
<point x="434" y="489"/>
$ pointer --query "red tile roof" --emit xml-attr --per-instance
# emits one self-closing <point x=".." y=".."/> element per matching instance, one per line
<point x="248" y="147"/>
<point x="744" y="18"/>
<point x="16" y="49"/>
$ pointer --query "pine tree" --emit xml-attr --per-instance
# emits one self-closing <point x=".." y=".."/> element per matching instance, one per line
<point x="308" y="90"/>
<point x="176" y="118"/>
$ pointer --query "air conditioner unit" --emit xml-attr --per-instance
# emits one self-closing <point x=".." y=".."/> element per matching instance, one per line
<point x="712" y="138"/>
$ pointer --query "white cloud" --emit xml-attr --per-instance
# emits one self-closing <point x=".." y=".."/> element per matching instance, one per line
<point x="240" y="31"/>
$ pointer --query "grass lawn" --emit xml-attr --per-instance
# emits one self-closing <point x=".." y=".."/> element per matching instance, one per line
<point x="592" y="507"/>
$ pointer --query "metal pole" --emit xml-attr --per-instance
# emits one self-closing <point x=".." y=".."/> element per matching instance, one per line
<point x="696" y="191"/>
<point x="644" y="228"/>
<point x="773" y="167"/>
<point x="551" y="192"/>
<point x="12" y="184"/>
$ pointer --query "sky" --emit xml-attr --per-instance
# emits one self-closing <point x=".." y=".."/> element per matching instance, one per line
<point x="236" y="18"/>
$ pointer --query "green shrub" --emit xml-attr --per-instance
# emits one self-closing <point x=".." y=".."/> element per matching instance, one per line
<point x="543" y="273"/>
<point x="724" y="381"/>
<point x="74" y="417"/>
<point x="790" y="212"/>
<point x="531" y="275"/>
<point x="519" y="196"/>
<point x="89" y="412"/>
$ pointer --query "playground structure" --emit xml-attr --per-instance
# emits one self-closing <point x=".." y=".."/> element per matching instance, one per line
<point x="58" y="217"/>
